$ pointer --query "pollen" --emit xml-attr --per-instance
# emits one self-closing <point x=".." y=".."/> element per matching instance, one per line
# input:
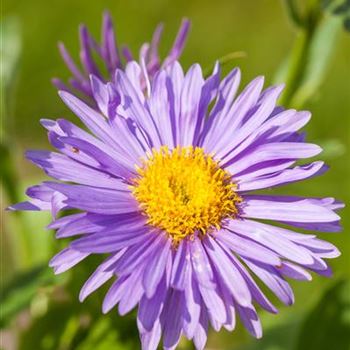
<point x="184" y="192"/>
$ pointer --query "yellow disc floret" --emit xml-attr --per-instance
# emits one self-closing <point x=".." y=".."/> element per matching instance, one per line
<point x="184" y="192"/>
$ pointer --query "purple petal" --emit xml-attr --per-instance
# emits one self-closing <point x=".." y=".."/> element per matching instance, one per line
<point x="114" y="294"/>
<point x="236" y="113"/>
<point x="275" y="129"/>
<point x="66" y="259"/>
<point x="64" y="168"/>
<point x="283" y="177"/>
<point x="214" y="303"/>
<point x="300" y="210"/>
<point x="274" y="238"/>
<point x="179" y="43"/>
<point x="172" y="315"/>
<point x="150" y="340"/>
<point x="272" y="152"/>
<point x="318" y="226"/>
<point x="160" y="109"/>
<point x="296" y="272"/>
<point x="117" y="150"/>
<point x="96" y="200"/>
<point x="70" y="63"/>
<point x="151" y="308"/>
<point x="235" y="135"/>
<point x="255" y="290"/>
<point x="57" y="203"/>
<point x="91" y="223"/>
<point x="181" y="266"/>
<point x="156" y="267"/>
<point x="93" y="120"/>
<point x="109" y="46"/>
<point x="108" y="242"/>
<point x="201" y="265"/>
<point x="120" y="290"/>
<point x="134" y="73"/>
<point x="251" y="321"/>
<point x="131" y="107"/>
<point x="138" y="254"/>
<point x="273" y="280"/>
<point x="99" y="277"/>
<point x="129" y="300"/>
<point x="85" y="52"/>
<point x="32" y="205"/>
<point x="190" y="99"/>
<point x="119" y="168"/>
<point x="228" y="272"/>
<point x="248" y="248"/>
<point x="193" y="305"/>
<point x="200" y="336"/>
<point x="65" y="220"/>
<point x="153" y="61"/>
<point x="100" y="93"/>
<point x="174" y="88"/>
<point x="225" y="95"/>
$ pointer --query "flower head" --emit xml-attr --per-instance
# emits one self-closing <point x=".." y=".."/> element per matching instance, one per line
<point x="113" y="57"/>
<point x="162" y="180"/>
<point x="184" y="192"/>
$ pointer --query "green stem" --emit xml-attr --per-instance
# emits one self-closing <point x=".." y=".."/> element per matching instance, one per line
<point x="10" y="48"/>
<point x="300" y="54"/>
<point x="296" y="66"/>
<point x="293" y="13"/>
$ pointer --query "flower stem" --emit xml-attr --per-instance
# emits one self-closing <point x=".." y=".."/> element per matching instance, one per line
<point x="306" y="26"/>
<point x="293" y="13"/>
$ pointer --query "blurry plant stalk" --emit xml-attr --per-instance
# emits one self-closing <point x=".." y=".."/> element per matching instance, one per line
<point x="10" y="53"/>
<point x="10" y="183"/>
<point x="305" y="68"/>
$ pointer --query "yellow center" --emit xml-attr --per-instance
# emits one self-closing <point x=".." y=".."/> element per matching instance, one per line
<point x="184" y="192"/>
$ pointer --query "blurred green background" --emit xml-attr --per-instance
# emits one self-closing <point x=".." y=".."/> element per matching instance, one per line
<point x="40" y="310"/>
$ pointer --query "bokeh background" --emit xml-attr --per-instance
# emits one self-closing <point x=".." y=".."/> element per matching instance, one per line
<point x="40" y="310"/>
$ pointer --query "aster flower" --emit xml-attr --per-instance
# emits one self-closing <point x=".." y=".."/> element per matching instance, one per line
<point x="112" y="57"/>
<point x="162" y="183"/>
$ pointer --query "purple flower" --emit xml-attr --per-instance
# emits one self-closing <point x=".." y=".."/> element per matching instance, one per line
<point x="162" y="183"/>
<point x="114" y="58"/>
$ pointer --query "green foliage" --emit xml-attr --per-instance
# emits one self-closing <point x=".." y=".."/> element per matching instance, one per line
<point x="18" y="294"/>
<point x="68" y="325"/>
<point x="317" y="61"/>
<point x="305" y="69"/>
<point x="9" y="58"/>
<point x="328" y="324"/>
<point x="341" y="8"/>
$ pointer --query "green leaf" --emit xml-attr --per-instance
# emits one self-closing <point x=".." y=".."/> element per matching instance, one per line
<point x="328" y="324"/>
<point x="305" y="68"/>
<point x="19" y="293"/>
<point x="317" y="61"/>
